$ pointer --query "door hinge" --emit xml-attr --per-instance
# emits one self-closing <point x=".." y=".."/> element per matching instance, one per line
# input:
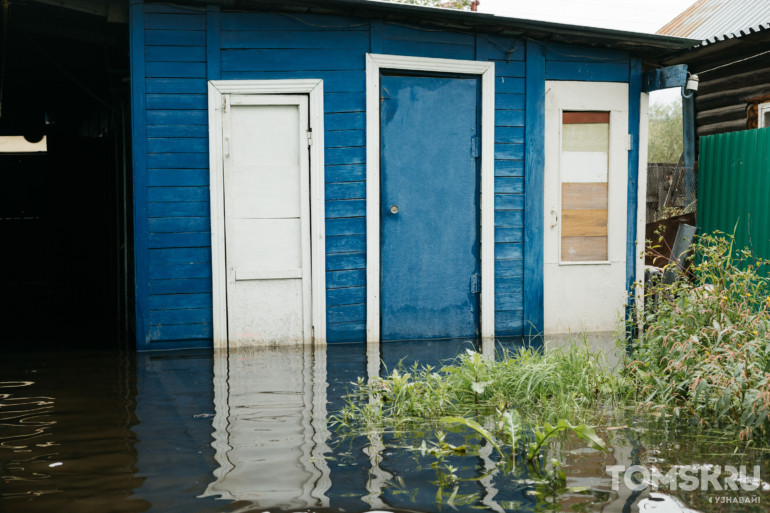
<point x="475" y="289"/>
<point x="226" y="104"/>
<point x="629" y="142"/>
<point x="310" y="138"/>
<point x="475" y="150"/>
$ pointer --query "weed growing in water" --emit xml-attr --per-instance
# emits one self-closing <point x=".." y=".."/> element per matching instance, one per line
<point x="516" y="403"/>
<point x="704" y="348"/>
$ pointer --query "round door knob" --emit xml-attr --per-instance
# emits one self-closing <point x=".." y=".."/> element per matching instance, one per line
<point x="393" y="209"/>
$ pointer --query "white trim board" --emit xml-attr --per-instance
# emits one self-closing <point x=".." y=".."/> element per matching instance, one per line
<point x="314" y="89"/>
<point x="486" y="71"/>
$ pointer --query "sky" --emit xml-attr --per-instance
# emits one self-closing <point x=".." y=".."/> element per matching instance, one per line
<point x="631" y="15"/>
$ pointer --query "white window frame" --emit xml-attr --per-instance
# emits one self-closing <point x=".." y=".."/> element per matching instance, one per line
<point x="314" y="89"/>
<point x="762" y="109"/>
<point x="486" y="70"/>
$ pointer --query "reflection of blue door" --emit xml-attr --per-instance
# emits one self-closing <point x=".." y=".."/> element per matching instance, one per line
<point x="429" y="250"/>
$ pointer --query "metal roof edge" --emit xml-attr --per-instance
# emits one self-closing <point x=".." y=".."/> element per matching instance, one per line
<point x="482" y="21"/>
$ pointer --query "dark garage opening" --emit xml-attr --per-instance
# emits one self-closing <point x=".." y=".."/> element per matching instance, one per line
<point x="65" y="209"/>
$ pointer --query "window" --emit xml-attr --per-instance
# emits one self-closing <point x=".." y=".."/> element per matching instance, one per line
<point x="585" y="146"/>
<point x="763" y="120"/>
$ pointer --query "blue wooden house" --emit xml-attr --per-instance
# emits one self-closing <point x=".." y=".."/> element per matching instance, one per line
<point x="351" y="171"/>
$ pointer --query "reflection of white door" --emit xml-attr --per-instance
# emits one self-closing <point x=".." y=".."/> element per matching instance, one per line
<point x="267" y="219"/>
<point x="586" y="181"/>
<point x="270" y="427"/>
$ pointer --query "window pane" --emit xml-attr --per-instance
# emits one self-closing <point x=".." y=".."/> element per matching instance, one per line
<point x="585" y="147"/>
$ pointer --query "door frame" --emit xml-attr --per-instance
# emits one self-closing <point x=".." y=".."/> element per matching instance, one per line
<point x="313" y="88"/>
<point x="585" y="96"/>
<point x="486" y="71"/>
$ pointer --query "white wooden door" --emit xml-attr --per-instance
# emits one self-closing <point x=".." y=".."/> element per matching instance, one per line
<point x="586" y="186"/>
<point x="267" y="219"/>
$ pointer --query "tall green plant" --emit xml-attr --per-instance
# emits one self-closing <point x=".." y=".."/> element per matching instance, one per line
<point x="704" y="349"/>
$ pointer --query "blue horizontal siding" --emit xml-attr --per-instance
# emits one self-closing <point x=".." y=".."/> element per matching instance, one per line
<point x="566" y="52"/>
<point x="346" y="296"/>
<point x="256" y="39"/>
<point x="508" y="269"/>
<point x="265" y="46"/>
<point x="568" y="62"/>
<point x="510" y="105"/>
<point x="178" y="177"/>
<point x="181" y="333"/>
<point x="509" y="85"/>
<point x="177" y="130"/>
<point x="339" y="332"/>
<point x="509" y="151"/>
<point x="179" y="86"/>
<point x="344" y="120"/>
<point x="345" y="173"/>
<point x="180" y="256"/>
<point x="514" y="69"/>
<point x="175" y="53"/>
<point x="176" y="101"/>
<point x="180" y="240"/>
<point x="238" y="21"/>
<point x="340" y="279"/>
<point x="345" y="261"/>
<point x="174" y="21"/>
<point x="173" y="301"/>
<point x="345" y="243"/>
<point x="177" y="145"/>
<point x="186" y="316"/>
<point x="509" y="118"/>
<point x="341" y="156"/>
<point x="509" y="202"/>
<point x="344" y="138"/>
<point x="345" y="190"/>
<point x="176" y="271"/>
<point x="345" y="208"/>
<point x="347" y="226"/>
<point x="177" y="117"/>
<point x="183" y="286"/>
<point x="178" y="160"/>
<point x="346" y="313"/>
<point x="509" y="134"/>
<point x="161" y="194"/>
<point x="509" y="218"/>
<point x="509" y="251"/>
<point x="502" y="48"/>
<point x="175" y="69"/>
<point x="179" y="224"/>
<point x="509" y="323"/>
<point x="186" y="38"/>
<point x="509" y="234"/>
<point x="589" y="71"/>
<point x="335" y="81"/>
<point x="290" y="59"/>
<point x="509" y="185"/>
<point x="426" y="49"/>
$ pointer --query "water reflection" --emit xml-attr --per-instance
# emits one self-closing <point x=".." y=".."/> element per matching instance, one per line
<point x="270" y="427"/>
<point x="65" y="433"/>
<point x="247" y="430"/>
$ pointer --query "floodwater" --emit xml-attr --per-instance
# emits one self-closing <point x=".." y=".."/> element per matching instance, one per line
<point x="209" y="431"/>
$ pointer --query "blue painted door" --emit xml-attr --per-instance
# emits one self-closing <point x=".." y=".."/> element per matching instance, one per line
<point x="429" y="252"/>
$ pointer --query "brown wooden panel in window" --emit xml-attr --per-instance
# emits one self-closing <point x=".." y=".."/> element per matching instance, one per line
<point x="573" y="117"/>
<point x="584" y="249"/>
<point x="584" y="223"/>
<point x="584" y="196"/>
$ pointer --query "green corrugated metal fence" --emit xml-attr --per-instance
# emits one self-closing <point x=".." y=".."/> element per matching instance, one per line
<point x="734" y="187"/>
